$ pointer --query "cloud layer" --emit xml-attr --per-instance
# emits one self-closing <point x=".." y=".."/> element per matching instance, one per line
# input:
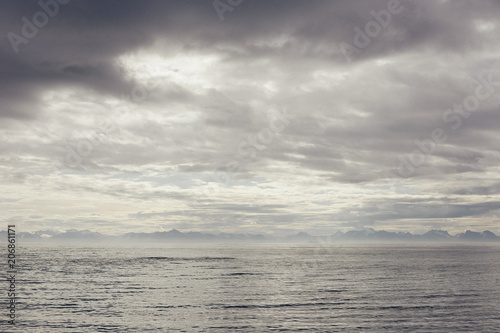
<point x="123" y="116"/>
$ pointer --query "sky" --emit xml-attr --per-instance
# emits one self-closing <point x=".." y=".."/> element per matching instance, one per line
<point x="259" y="116"/>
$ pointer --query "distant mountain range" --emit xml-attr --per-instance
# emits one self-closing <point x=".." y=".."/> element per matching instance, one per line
<point x="175" y="236"/>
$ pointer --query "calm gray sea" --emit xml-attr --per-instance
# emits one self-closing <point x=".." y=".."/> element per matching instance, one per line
<point x="258" y="288"/>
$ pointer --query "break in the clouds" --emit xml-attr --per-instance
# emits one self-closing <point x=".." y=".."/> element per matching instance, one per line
<point x="250" y="116"/>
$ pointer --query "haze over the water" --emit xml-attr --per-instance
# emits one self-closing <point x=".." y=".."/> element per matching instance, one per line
<point x="267" y="117"/>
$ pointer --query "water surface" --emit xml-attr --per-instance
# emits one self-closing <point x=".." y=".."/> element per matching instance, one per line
<point x="261" y="288"/>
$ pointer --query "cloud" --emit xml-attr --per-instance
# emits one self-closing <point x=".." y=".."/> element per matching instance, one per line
<point x="158" y="113"/>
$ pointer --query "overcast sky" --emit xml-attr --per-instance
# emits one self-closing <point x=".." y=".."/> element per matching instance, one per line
<point x="253" y="117"/>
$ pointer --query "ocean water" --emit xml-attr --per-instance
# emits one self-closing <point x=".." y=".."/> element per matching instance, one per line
<point x="258" y="288"/>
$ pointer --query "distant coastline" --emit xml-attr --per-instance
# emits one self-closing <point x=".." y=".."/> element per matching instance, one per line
<point x="175" y="236"/>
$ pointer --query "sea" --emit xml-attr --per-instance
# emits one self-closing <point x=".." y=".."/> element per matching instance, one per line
<point x="256" y="288"/>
